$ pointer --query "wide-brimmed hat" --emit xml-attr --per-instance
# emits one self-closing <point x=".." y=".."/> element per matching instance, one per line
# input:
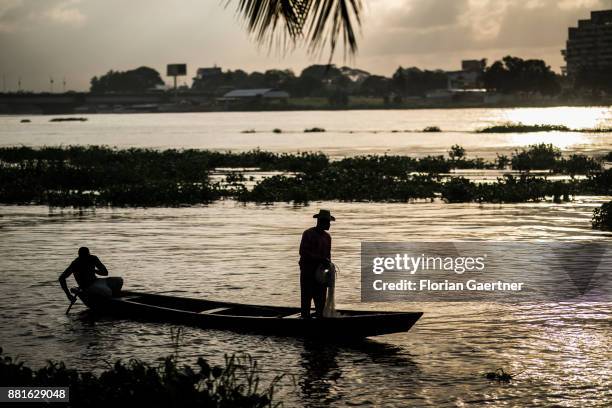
<point x="325" y="214"/>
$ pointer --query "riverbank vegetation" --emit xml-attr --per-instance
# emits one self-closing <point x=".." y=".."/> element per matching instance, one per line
<point x="68" y="119"/>
<point x="168" y="384"/>
<point x="602" y="217"/>
<point x="521" y="128"/>
<point x="314" y="130"/>
<point x="101" y="176"/>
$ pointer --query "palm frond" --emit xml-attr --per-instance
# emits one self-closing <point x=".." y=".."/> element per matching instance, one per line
<point x="318" y="22"/>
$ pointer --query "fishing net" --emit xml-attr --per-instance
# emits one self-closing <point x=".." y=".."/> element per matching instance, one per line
<point x="330" y="303"/>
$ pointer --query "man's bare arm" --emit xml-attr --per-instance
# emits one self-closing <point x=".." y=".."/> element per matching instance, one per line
<point x="100" y="268"/>
<point x="64" y="285"/>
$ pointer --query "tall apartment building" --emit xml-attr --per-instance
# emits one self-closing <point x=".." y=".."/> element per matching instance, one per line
<point x="590" y="44"/>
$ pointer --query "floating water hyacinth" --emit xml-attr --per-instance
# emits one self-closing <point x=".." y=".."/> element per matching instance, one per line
<point x="100" y="176"/>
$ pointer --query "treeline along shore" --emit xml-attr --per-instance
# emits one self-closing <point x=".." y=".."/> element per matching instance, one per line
<point x="508" y="82"/>
<point x="102" y="176"/>
<point x="140" y="102"/>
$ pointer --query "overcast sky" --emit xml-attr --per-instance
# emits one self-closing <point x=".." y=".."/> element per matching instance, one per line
<point x="78" y="39"/>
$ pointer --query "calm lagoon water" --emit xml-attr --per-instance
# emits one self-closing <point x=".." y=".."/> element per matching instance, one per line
<point x="347" y="132"/>
<point x="248" y="253"/>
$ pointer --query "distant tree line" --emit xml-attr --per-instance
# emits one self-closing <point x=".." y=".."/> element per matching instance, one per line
<point x="328" y="81"/>
<point x="514" y="75"/>
<point x="141" y="79"/>
<point x="595" y="80"/>
<point x="510" y="75"/>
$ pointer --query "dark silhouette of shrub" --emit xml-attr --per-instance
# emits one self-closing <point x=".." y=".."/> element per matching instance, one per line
<point x="602" y="217"/>
<point x="236" y="384"/>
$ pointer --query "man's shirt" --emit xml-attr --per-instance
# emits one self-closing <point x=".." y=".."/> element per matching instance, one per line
<point x="315" y="247"/>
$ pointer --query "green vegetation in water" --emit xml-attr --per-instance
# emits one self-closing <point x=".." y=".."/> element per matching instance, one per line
<point x="277" y="130"/>
<point x="548" y="157"/>
<point x="508" y="189"/>
<point x="456" y="152"/>
<point x="602" y="217"/>
<point x="499" y="375"/>
<point x="521" y="128"/>
<point x="25" y="121"/>
<point x="597" y="130"/>
<point x="88" y="176"/>
<point x="432" y="129"/>
<point x="249" y="131"/>
<point x="236" y="384"/>
<point x="68" y="120"/>
<point x="314" y="130"/>
<point x="100" y="176"/>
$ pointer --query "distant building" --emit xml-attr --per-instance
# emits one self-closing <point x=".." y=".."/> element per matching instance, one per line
<point x="208" y="73"/>
<point x="463" y="79"/>
<point x="266" y="93"/>
<point x="354" y="74"/>
<point x="474" y="65"/>
<point x="590" y="44"/>
<point x="258" y="96"/>
<point x="459" y="95"/>
<point x="207" y="79"/>
<point x="470" y="76"/>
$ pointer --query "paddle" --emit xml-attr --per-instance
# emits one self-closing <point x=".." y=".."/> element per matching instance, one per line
<point x="75" y="291"/>
<point x="72" y="302"/>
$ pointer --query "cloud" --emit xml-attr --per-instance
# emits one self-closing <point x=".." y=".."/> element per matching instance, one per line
<point x="67" y="13"/>
<point x="429" y="14"/>
<point x="442" y="27"/>
<point x="24" y="15"/>
<point x="538" y="24"/>
<point x="119" y="34"/>
<point x="11" y="12"/>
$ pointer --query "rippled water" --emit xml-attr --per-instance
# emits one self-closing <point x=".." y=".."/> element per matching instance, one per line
<point x="249" y="253"/>
<point x="348" y="132"/>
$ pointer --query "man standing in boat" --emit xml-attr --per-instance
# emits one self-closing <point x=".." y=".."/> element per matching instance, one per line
<point x="315" y="251"/>
<point x="85" y="268"/>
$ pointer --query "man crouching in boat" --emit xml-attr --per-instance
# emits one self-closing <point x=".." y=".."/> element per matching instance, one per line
<point x="85" y="267"/>
<point x="315" y="250"/>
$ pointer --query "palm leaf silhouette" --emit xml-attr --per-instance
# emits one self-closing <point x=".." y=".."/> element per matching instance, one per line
<point x="316" y="22"/>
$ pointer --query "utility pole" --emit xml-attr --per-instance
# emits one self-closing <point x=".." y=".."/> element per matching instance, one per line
<point x="64" y="85"/>
<point x="51" y="84"/>
<point x="19" y="84"/>
<point x="3" y="83"/>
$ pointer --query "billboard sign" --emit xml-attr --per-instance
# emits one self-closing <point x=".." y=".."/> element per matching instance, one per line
<point x="176" y="70"/>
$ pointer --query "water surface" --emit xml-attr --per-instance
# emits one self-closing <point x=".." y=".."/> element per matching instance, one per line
<point x="347" y="132"/>
<point x="248" y="253"/>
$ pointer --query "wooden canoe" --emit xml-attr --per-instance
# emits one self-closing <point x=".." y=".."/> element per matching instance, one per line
<point x="270" y="320"/>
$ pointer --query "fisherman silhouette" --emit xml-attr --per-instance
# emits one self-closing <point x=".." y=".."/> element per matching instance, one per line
<point x="315" y="251"/>
<point x="85" y="268"/>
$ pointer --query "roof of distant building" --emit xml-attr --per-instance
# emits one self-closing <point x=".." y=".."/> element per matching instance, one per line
<point x="251" y="93"/>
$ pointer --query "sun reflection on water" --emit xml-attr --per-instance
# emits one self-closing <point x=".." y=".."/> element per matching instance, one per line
<point x="562" y="140"/>
<point x="572" y="117"/>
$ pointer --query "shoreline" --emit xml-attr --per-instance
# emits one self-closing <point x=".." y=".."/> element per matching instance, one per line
<point x="81" y="103"/>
